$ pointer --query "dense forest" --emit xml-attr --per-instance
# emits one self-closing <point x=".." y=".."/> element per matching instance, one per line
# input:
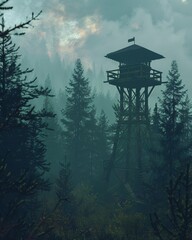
<point x="56" y="178"/>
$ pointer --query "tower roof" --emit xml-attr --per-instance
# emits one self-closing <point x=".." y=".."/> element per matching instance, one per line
<point x="134" y="54"/>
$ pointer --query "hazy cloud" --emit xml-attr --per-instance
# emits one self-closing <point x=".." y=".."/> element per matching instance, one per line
<point x="91" y="28"/>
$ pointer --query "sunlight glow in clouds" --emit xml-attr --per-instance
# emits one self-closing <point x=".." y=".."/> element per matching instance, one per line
<point x="60" y="34"/>
<point x="64" y="35"/>
<point x="74" y="35"/>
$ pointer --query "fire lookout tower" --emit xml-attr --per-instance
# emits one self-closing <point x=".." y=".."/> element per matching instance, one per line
<point x="135" y="80"/>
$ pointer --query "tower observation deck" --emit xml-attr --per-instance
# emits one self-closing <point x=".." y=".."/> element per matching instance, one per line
<point x="135" y="80"/>
<point x="134" y="68"/>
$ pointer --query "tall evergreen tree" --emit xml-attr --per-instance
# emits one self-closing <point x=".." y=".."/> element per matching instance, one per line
<point x="103" y="141"/>
<point x="186" y="120"/>
<point x="21" y="147"/>
<point x="170" y="120"/>
<point x="77" y="115"/>
<point x="170" y="149"/>
<point x="91" y="144"/>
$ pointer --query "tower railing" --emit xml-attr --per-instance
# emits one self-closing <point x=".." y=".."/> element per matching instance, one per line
<point x="134" y="72"/>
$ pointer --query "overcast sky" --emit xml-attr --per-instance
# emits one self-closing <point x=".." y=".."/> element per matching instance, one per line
<point x="89" y="29"/>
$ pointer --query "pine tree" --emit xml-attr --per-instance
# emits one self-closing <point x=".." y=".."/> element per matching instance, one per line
<point x="103" y="142"/>
<point x="186" y="120"/>
<point x="170" y="151"/>
<point x="91" y="147"/>
<point x="170" y="120"/>
<point x="156" y="168"/>
<point x="155" y="118"/>
<point x="77" y="115"/>
<point x="22" y="150"/>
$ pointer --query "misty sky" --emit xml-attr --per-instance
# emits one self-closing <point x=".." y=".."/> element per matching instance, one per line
<point x="89" y="29"/>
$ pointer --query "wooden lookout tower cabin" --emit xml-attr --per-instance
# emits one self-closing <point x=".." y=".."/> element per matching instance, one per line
<point x="135" y="80"/>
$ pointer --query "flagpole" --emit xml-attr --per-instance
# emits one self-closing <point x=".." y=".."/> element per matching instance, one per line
<point x="131" y="40"/>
